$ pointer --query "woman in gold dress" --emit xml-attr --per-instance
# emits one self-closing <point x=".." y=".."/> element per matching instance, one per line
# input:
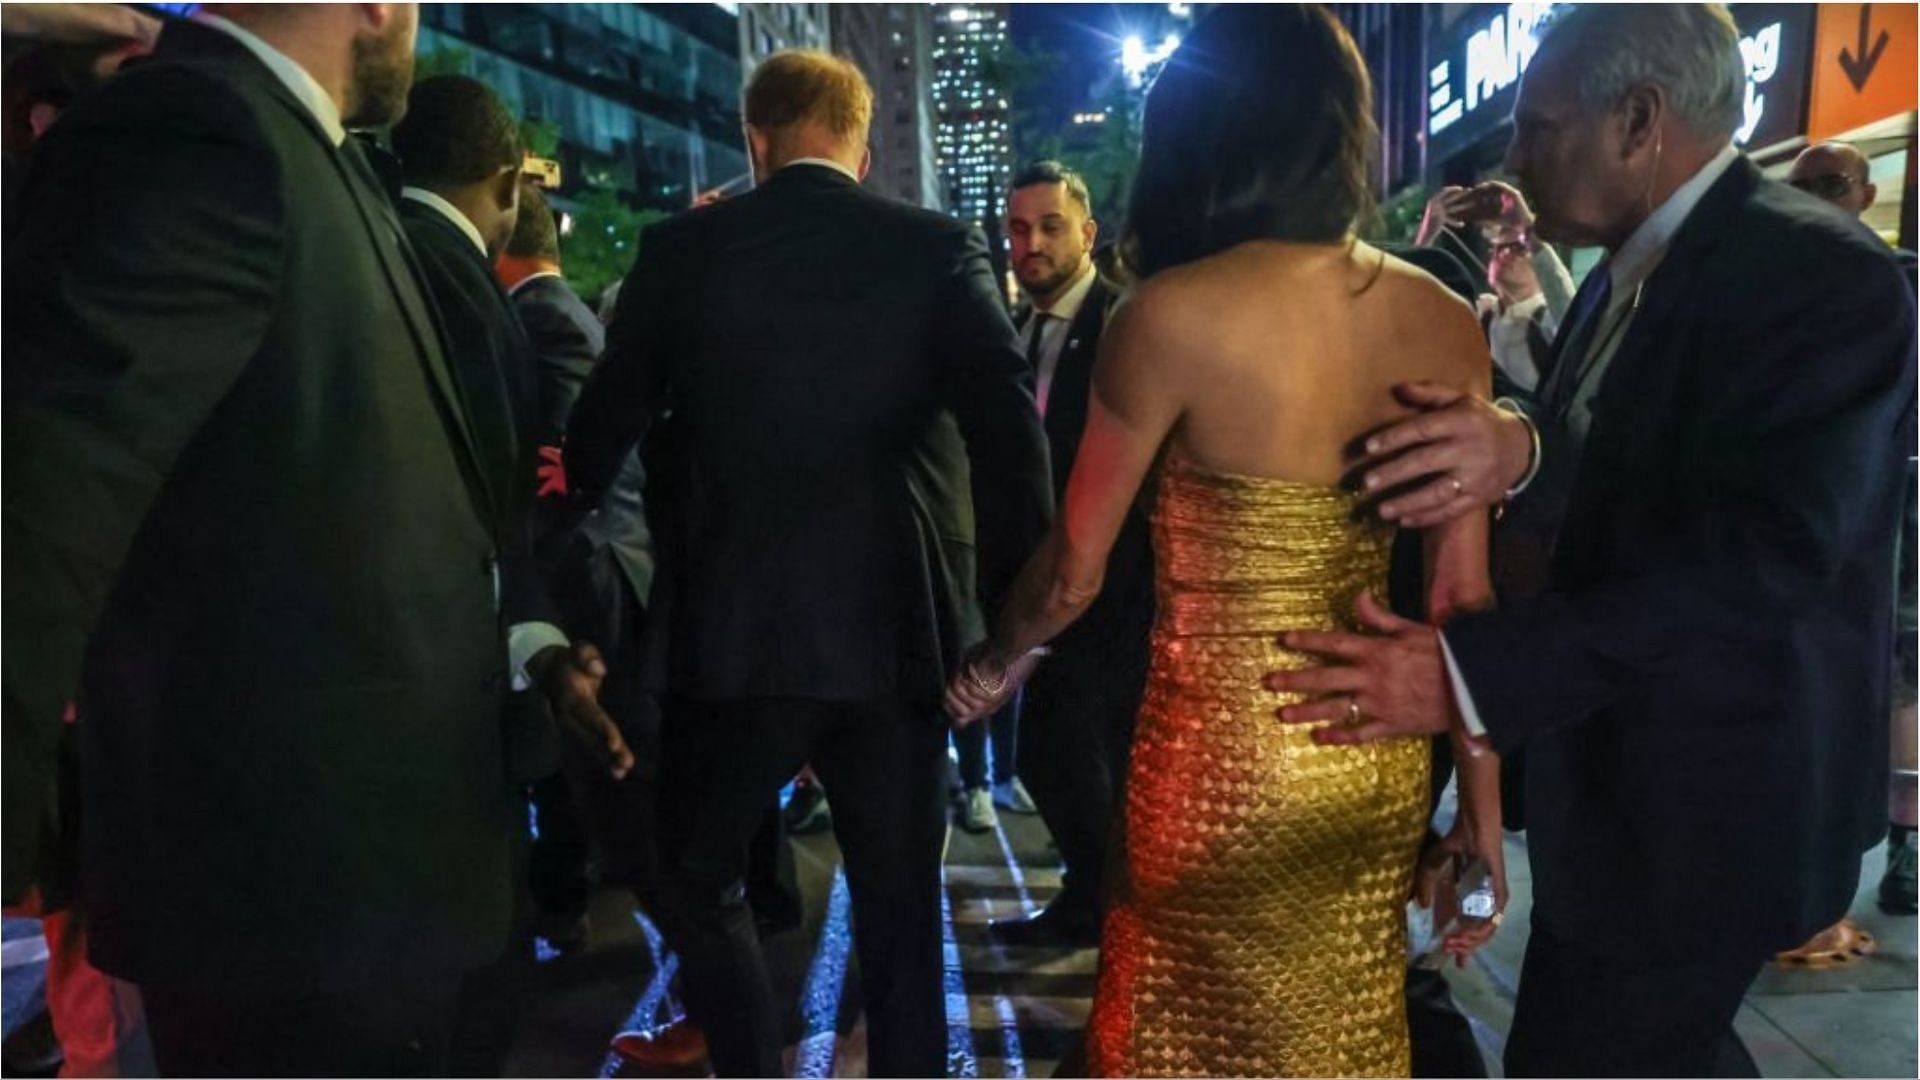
<point x="1258" y="924"/>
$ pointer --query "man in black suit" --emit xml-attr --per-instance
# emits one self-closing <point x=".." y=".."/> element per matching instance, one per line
<point x="248" y="530"/>
<point x="566" y="335"/>
<point x="460" y="159"/>
<point x="1076" y="720"/>
<point x="460" y="162"/>
<point x="1839" y="174"/>
<point x="565" y="338"/>
<point x="1702" y="685"/>
<point x="818" y="347"/>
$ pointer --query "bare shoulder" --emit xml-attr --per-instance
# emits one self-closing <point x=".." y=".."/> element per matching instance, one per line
<point x="1196" y="302"/>
<point x="1447" y="337"/>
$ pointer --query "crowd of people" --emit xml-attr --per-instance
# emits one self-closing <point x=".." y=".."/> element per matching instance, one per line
<point x="342" y="539"/>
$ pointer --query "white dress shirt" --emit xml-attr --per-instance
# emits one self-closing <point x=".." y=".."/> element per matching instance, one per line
<point x="303" y="86"/>
<point x="535" y="276"/>
<point x="1631" y="266"/>
<point x="1509" y="335"/>
<point x="450" y="212"/>
<point x="1053" y="332"/>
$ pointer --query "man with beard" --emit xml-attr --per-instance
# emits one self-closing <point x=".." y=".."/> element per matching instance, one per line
<point x="1077" y="714"/>
<point x="246" y="530"/>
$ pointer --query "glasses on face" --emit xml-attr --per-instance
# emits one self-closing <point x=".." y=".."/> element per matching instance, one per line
<point x="1826" y="185"/>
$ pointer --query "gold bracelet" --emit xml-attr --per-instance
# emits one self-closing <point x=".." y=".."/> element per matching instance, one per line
<point x="973" y="676"/>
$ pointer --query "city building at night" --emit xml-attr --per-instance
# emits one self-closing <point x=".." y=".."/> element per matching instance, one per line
<point x="646" y="97"/>
<point x="893" y="44"/>
<point x="975" y="134"/>
<point x="766" y="29"/>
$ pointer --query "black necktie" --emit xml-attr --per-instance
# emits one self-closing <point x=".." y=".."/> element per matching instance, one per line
<point x="1035" y="334"/>
<point x="1570" y="345"/>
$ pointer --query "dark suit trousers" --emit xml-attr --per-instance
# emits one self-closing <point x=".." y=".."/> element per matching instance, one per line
<point x="885" y="764"/>
<point x="392" y="1029"/>
<point x="1583" y="1012"/>
<point x="1442" y="1039"/>
<point x="1076" y="738"/>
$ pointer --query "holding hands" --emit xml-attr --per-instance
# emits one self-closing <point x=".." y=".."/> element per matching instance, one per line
<point x="983" y="685"/>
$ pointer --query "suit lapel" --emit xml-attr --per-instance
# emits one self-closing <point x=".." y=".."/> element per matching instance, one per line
<point x="1628" y="406"/>
<point x="1651" y="329"/>
<point x="191" y="43"/>
<point x="1073" y="375"/>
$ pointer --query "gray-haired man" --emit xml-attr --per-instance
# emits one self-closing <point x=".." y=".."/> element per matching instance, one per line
<point x="1698" y="687"/>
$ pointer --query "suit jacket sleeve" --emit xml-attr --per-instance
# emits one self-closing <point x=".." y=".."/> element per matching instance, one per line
<point x="627" y="392"/>
<point x="140" y="284"/>
<point x="1789" y="469"/>
<point x="564" y="356"/>
<point x="984" y="380"/>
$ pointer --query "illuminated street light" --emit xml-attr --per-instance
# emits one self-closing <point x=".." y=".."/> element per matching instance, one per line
<point x="1136" y="60"/>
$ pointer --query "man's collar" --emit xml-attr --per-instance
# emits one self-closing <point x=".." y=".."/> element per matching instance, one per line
<point x="1067" y="307"/>
<point x="530" y="278"/>
<point x="450" y="212"/>
<point x="302" y="85"/>
<point x="1636" y="258"/>
<point x="825" y="162"/>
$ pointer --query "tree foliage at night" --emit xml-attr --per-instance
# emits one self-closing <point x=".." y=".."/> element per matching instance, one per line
<point x="604" y="241"/>
<point x="1105" y="154"/>
<point x="606" y="231"/>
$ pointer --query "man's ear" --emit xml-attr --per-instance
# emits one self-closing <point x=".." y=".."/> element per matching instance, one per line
<point x="1638" y="115"/>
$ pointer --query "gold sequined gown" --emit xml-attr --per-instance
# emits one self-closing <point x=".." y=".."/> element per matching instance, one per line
<point x="1258" y="926"/>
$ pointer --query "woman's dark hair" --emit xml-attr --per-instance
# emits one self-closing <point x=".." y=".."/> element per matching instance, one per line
<point x="1259" y="127"/>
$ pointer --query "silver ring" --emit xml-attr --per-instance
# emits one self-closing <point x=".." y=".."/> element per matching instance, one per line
<point x="1458" y="487"/>
<point x="1353" y="712"/>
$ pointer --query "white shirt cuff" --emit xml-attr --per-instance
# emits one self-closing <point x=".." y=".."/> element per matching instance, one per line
<point x="1512" y="408"/>
<point x="524" y="642"/>
<point x="1469" y="715"/>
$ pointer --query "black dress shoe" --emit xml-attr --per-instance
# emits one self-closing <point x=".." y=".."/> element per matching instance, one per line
<point x="1059" y="926"/>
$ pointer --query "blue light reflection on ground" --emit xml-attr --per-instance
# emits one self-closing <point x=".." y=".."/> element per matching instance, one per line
<point x="825" y="985"/>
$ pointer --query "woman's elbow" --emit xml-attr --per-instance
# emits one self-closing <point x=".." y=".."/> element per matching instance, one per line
<point x="1073" y="593"/>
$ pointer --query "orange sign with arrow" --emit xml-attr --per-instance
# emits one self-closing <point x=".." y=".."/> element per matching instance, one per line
<point x="1864" y="66"/>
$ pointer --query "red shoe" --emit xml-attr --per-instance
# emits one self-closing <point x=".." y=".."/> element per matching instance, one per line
<point x="679" y="1049"/>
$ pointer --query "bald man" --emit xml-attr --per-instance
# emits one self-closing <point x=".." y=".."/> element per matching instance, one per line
<point x="1838" y="173"/>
